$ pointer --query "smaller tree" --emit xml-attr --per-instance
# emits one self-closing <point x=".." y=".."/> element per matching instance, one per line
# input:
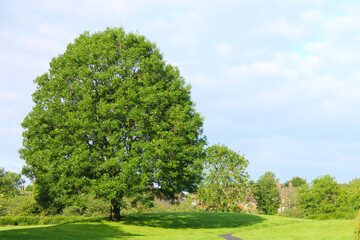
<point x="224" y="180"/>
<point x="267" y="194"/>
<point x="296" y="182"/>
<point x="320" y="197"/>
<point x="10" y="182"/>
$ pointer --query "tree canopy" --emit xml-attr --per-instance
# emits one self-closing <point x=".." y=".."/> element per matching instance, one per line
<point x="320" y="196"/>
<point x="10" y="183"/>
<point x="224" y="180"/>
<point x="296" y="182"/>
<point x="111" y="117"/>
<point x="267" y="194"/>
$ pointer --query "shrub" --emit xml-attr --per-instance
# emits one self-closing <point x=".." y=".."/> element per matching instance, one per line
<point x="72" y="211"/>
<point x="60" y="219"/>
<point x="4" y="221"/>
<point x="21" y="205"/>
<point x="23" y="220"/>
<point x="96" y="207"/>
<point x="38" y="220"/>
<point x="184" y="205"/>
<point x="357" y="228"/>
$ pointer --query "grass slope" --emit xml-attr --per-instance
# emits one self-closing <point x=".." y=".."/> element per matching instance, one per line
<point x="186" y="226"/>
<point x="302" y="230"/>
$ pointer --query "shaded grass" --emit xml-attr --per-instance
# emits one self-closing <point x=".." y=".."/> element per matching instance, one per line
<point x="178" y="226"/>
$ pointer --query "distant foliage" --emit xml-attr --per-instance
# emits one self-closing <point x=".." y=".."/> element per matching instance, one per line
<point x="10" y="183"/>
<point x="290" y="206"/>
<point x="267" y="194"/>
<point x="296" y="182"/>
<point x="19" y="205"/>
<point x="224" y="180"/>
<point x="348" y="199"/>
<point x="320" y="197"/>
<point x="29" y="188"/>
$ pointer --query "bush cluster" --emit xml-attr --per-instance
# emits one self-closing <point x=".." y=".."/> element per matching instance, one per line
<point x="357" y="227"/>
<point x="38" y="220"/>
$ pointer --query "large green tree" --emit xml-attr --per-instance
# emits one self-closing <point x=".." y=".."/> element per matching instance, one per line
<point x="267" y="194"/>
<point x="224" y="180"/>
<point x="113" y="118"/>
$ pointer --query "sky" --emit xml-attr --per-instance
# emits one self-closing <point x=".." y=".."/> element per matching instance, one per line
<point x="277" y="81"/>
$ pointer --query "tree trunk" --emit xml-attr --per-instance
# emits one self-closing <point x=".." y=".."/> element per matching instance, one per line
<point x="115" y="211"/>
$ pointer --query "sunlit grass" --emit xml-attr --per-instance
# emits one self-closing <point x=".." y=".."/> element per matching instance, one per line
<point x="303" y="230"/>
<point x="186" y="226"/>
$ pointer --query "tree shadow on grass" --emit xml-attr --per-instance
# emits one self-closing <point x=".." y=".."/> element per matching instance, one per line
<point x="92" y="230"/>
<point x="194" y="220"/>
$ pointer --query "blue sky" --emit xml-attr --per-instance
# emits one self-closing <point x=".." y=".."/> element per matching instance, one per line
<point x="277" y="81"/>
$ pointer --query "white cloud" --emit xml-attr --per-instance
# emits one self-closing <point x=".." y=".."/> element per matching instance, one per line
<point x="312" y="16"/>
<point x="161" y="25"/>
<point x="343" y="25"/>
<point x="189" y="26"/>
<point x="9" y="96"/>
<point x="265" y="69"/>
<point x="52" y="30"/>
<point x="224" y="49"/>
<point x="280" y="28"/>
<point x="33" y="44"/>
<point x="202" y="80"/>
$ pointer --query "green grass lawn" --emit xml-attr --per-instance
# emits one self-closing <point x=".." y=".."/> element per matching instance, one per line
<point x="187" y="226"/>
<point x="303" y="230"/>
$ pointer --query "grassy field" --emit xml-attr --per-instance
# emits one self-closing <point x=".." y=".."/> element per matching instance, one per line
<point x="188" y="226"/>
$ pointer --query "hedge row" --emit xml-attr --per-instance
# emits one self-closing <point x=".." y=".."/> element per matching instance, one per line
<point x="37" y="220"/>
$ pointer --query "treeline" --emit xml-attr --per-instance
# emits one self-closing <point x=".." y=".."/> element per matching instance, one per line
<point x="228" y="189"/>
<point x="323" y="198"/>
<point x="225" y="186"/>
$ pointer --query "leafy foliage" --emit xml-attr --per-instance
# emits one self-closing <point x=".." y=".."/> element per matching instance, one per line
<point x="224" y="180"/>
<point x="267" y="194"/>
<point x="19" y="205"/>
<point x="296" y="182"/>
<point x="357" y="227"/>
<point x="348" y="199"/>
<point x="320" y="197"/>
<point x="37" y="220"/>
<point x="29" y="188"/>
<point x="10" y="182"/>
<point x="111" y="117"/>
<point x="289" y="204"/>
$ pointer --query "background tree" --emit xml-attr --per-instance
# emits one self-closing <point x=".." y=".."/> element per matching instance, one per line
<point x="10" y="183"/>
<point x="296" y="182"/>
<point x="224" y="180"/>
<point x="348" y="199"/>
<point x="110" y="117"/>
<point x="267" y="194"/>
<point x="320" y="197"/>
